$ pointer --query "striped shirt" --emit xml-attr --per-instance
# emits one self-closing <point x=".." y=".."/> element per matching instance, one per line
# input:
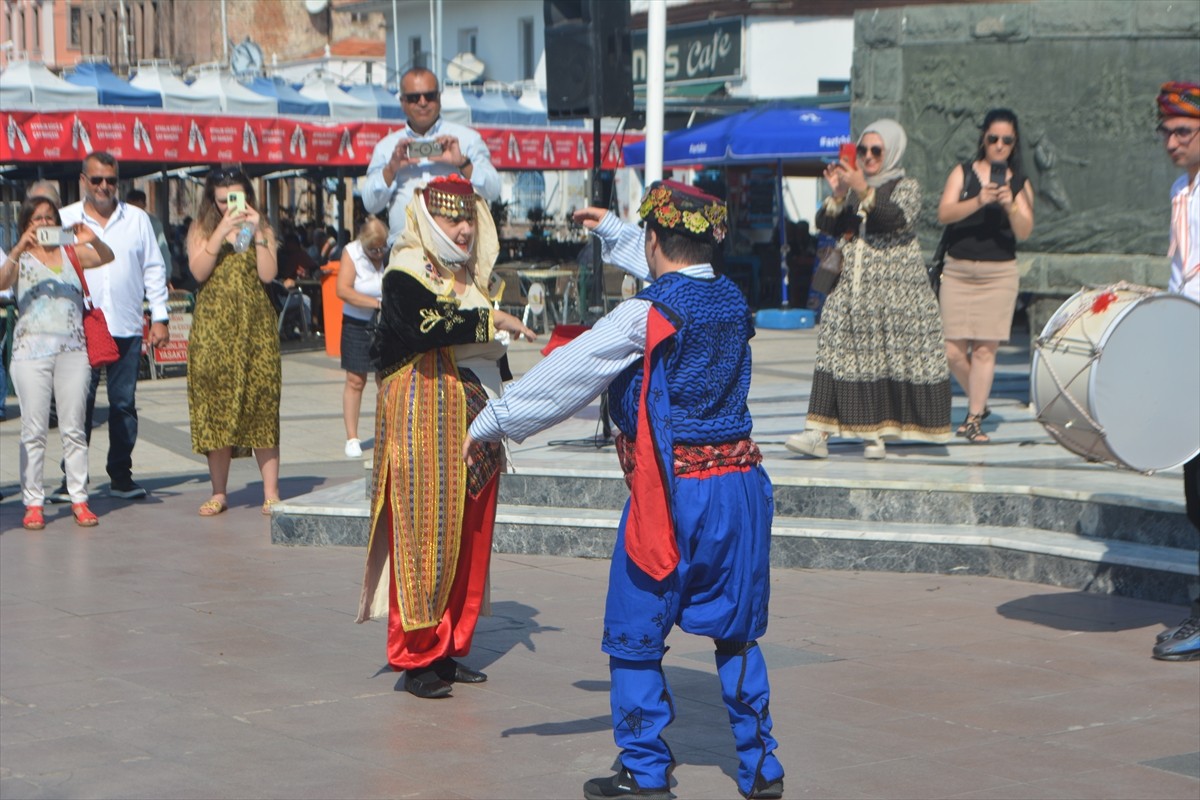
<point x="1185" y="238"/>
<point x="572" y="376"/>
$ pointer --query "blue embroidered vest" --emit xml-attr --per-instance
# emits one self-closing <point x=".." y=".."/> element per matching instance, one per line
<point x="707" y="362"/>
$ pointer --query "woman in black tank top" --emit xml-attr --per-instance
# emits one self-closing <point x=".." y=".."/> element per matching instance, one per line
<point x="987" y="207"/>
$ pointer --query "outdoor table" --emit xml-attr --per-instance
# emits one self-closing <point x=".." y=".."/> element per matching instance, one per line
<point x="548" y="280"/>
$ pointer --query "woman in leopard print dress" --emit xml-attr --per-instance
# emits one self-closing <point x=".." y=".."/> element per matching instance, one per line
<point x="233" y="352"/>
<point x="881" y="369"/>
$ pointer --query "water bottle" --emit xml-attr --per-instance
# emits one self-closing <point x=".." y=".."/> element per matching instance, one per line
<point x="246" y="235"/>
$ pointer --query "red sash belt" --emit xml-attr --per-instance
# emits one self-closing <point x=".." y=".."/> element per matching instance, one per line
<point x="690" y="459"/>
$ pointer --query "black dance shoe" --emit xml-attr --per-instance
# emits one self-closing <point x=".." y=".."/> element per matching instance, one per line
<point x="451" y="671"/>
<point x="425" y="683"/>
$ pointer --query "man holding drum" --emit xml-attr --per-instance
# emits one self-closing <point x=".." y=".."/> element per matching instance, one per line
<point x="1179" y="127"/>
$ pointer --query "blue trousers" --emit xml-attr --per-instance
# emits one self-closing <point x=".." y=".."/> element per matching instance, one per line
<point x="121" y="383"/>
<point x="720" y="589"/>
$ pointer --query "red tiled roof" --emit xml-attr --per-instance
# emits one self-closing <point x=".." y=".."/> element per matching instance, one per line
<point x="352" y="47"/>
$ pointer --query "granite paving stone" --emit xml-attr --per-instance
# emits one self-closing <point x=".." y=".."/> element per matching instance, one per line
<point x="165" y="655"/>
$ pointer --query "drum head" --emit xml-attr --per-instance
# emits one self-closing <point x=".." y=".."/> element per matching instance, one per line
<point x="1145" y="387"/>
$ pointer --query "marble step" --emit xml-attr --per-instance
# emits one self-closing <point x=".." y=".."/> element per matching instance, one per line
<point x="1104" y="516"/>
<point x="338" y="516"/>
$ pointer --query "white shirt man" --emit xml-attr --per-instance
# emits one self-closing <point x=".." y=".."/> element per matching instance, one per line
<point x="118" y="288"/>
<point x="392" y="175"/>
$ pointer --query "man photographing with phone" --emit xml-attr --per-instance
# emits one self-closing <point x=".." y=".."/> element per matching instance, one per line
<point x="426" y="148"/>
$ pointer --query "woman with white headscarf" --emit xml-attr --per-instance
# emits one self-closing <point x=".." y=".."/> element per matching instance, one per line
<point x="881" y="370"/>
<point x="438" y="352"/>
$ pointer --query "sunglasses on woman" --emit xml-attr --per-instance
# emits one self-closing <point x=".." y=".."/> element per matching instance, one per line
<point x="874" y="150"/>
<point x="993" y="138"/>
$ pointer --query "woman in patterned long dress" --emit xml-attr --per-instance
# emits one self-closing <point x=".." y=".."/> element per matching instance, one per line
<point x="438" y="356"/>
<point x="233" y="353"/>
<point x="881" y="368"/>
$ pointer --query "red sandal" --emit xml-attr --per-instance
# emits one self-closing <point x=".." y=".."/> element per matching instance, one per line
<point x="84" y="517"/>
<point x="33" y="521"/>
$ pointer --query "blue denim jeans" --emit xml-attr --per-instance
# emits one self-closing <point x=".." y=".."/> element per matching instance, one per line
<point x="122" y="411"/>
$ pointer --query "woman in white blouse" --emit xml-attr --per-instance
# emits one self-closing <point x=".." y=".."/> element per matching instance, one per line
<point x="49" y="354"/>
<point x="359" y="287"/>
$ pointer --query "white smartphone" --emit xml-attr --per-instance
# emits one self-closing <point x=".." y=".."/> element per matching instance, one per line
<point x="54" y="236"/>
<point x="236" y="201"/>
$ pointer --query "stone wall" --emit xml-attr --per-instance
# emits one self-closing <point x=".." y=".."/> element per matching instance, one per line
<point x="1082" y="77"/>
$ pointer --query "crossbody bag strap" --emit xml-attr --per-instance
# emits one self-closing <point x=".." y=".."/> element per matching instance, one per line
<point x="74" y="259"/>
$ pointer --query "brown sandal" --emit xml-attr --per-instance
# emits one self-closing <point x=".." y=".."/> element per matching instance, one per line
<point x="962" y="429"/>
<point x="972" y="431"/>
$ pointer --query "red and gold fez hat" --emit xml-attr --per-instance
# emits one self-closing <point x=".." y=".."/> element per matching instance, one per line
<point x="684" y="209"/>
<point x="451" y="196"/>
<point x="1179" y="99"/>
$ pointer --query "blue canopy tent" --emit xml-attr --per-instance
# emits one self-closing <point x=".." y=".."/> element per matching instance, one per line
<point x="490" y="107"/>
<point x="387" y="103"/>
<point x="112" y="90"/>
<point x="290" y="101"/>
<point x="770" y="134"/>
<point x="775" y="134"/>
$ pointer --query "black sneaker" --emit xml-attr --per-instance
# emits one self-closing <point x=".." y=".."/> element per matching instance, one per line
<point x="623" y="784"/>
<point x="126" y="489"/>
<point x="60" y="494"/>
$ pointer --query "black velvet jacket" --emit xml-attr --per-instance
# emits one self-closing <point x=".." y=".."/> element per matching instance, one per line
<point x="413" y="320"/>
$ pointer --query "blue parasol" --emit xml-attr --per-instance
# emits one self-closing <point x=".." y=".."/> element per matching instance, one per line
<point x="763" y="135"/>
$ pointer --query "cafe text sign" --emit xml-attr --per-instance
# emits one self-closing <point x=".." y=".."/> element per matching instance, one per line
<point x="701" y="51"/>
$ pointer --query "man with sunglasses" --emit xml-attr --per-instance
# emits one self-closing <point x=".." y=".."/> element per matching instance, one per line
<point x="119" y="288"/>
<point x="394" y="171"/>
<point x="1179" y="127"/>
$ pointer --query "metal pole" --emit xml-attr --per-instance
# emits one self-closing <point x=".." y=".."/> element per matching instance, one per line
<point x="597" y="287"/>
<point x="656" y="46"/>
<point x="433" y="36"/>
<point x="395" y="45"/>
<point x="783" y="244"/>
<point x="224" y="35"/>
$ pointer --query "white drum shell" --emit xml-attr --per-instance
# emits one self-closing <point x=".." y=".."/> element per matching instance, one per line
<point x="1122" y="385"/>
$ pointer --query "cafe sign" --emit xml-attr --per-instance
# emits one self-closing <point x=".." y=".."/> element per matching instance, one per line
<point x="697" y="52"/>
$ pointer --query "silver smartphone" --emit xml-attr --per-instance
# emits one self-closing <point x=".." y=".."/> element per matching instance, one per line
<point x="424" y="148"/>
<point x="54" y="236"/>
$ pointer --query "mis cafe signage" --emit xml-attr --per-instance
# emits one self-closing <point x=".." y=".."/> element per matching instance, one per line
<point x="701" y="51"/>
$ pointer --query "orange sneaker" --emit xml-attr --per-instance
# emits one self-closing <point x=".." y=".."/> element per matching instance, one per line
<point x="33" y="521"/>
<point x="84" y="517"/>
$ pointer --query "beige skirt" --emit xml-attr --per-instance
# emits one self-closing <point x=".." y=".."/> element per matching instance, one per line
<point x="978" y="299"/>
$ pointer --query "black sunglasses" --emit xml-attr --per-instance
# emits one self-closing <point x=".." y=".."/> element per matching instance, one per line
<point x="875" y="150"/>
<point x="96" y="180"/>
<point x="415" y="97"/>
<point x="993" y="138"/>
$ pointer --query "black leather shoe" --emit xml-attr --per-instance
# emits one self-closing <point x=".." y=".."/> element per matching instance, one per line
<point x="766" y="791"/>
<point x="451" y="671"/>
<point x="623" y="784"/>
<point x="425" y="683"/>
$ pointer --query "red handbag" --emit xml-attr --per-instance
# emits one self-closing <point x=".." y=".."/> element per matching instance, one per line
<point x="101" y="347"/>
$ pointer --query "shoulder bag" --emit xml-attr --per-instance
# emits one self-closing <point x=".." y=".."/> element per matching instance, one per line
<point x="101" y="347"/>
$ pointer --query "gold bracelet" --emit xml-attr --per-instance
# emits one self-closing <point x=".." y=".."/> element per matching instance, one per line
<point x="262" y="243"/>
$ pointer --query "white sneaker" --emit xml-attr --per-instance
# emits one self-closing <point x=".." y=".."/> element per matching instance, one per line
<point x="353" y="448"/>
<point x="875" y="450"/>
<point x="808" y="443"/>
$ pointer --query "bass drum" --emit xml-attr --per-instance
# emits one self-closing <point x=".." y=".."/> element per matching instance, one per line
<point x="1116" y="377"/>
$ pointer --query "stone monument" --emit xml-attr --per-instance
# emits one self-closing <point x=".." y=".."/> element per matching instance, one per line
<point x="1081" y="76"/>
